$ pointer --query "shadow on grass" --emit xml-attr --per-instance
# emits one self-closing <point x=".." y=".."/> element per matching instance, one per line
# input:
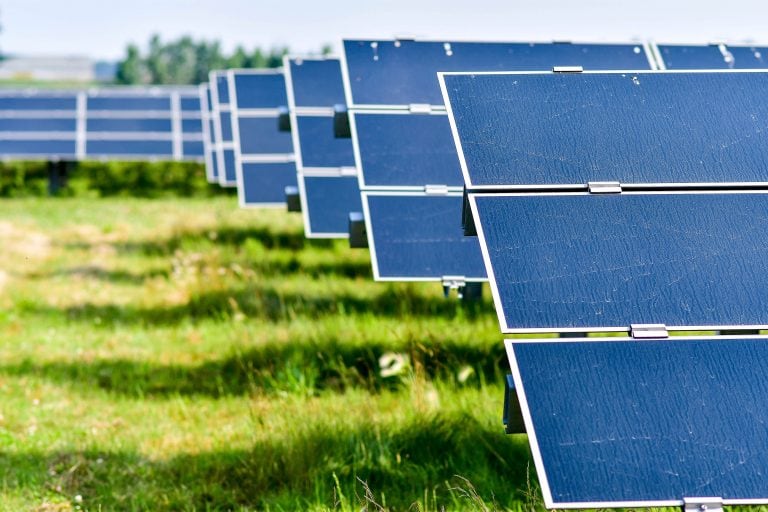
<point x="294" y="470"/>
<point x="269" y="303"/>
<point x="100" y="273"/>
<point x="268" y="237"/>
<point x="301" y="368"/>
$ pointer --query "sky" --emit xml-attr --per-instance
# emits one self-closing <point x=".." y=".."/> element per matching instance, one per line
<point x="102" y="28"/>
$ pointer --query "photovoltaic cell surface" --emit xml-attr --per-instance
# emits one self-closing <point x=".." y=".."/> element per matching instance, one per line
<point x="403" y="72"/>
<point x="601" y="262"/>
<point x="627" y="423"/>
<point x="419" y="237"/>
<point x="549" y="129"/>
<point x="263" y="154"/>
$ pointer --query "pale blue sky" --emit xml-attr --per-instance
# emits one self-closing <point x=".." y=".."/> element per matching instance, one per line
<point x="101" y="28"/>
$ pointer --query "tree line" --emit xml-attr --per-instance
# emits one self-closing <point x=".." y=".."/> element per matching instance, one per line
<point x="188" y="61"/>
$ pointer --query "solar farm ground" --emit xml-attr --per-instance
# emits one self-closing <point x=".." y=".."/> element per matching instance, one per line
<point x="188" y="355"/>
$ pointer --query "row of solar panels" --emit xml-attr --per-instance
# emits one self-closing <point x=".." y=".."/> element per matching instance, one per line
<point x="632" y="201"/>
<point x="399" y="168"/>
<point x="107" y="123"/>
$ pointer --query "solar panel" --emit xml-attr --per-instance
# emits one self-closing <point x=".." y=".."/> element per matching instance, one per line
<point x="329" y="200"/>
<point x="712" y="56"/>
<point x="263" y="155"/>
<point x="416" y="237"/>
<point x="108" y="123"/>
<point x="628" y="423"/>
<point x="39" y="124"/>
<point x="325" y="164"/>
<point x="549" y="129"/>
<point x="130" y="123"/>
<point x="401" y="132"/>
<point x="209" y="154"/>
<point x="600" y="262"/>
<point x="402" y="72"/>
<point x="222" y="129"/>
<point x="398" y="150"/>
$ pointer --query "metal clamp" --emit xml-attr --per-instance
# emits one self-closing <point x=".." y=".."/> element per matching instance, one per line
<point x="567" y="69"/>
<point x="703" y="504"/>
<point x="453" y="283"/>
<point x="420" y="108"/>
<point x="439" y="190"/>
<point x="604" y="187"/>
<point x="648" y="331"/>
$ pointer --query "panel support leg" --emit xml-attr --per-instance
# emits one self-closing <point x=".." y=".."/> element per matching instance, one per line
<point x="58" y="175"/>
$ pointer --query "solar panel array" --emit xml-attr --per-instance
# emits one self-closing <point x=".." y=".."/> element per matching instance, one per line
<point x="404" y="148"/>
<point x="327" y="177"/>
<point x="117" y="123"/>
<point x="632" y="202"/>
<point x="606" y="197"/>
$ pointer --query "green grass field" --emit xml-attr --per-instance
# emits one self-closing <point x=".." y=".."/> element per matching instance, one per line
<point x="188" y="355"/>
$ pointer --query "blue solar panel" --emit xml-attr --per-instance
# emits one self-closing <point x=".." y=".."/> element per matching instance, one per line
<point x="264" y="183"/>
<point x="419" y="237"/>
<point x="193" y="148"/>
<point x="328" y="190"/>
<point x="316" y="82"/>
<point x="221" y="84"/>
<point x="191" y="126"/>
<point x="147" y="102"/>
<point x="227" y="172"/>
<point x="226" y="126"/>
<point x="406" y="150"/>
<point x="190" y="104"/>
<point x="550" y="128"/>
<point x="259" y="90"/>
<point x="96" y="148"/>
<point x="328" y="201"/>
<point x="255" y="96"/>
<point x="16" y="124"/>
<point x="599" y="262"/>
<point x="49" y="101"/>
<point x="207" y="127"/>
<point x="65" y="148"/>
<point x="403" y="72"/>
<point x="259" y="135"/>
<point x="645" y="423"/>
<point x="129" y="125"/>
<point x="319" y="148"/>
<point x="713" y="56"/>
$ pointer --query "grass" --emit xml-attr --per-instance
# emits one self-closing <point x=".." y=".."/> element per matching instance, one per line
<point x="187" y="355"/>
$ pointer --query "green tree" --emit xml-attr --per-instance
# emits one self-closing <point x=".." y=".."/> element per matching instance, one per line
<point x="131" y="69"/>
<point x="186" y="61"/>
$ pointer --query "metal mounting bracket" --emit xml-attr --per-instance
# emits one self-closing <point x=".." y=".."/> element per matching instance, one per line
<point x="512" y="416"/>
<point x="358" y="236"/>
<point x="702" y="504"/>
<point x="567" y="69"/>
<point x="283" y="119"/>
<point x="293" y="199"/>
<point x="341" y="129"/>
<point x="420" y="108"/>
<point x="648" y="331"/>
<point x="604" y="187"/>
<point x="453" y="283"/>
<point x="437" y="190"/>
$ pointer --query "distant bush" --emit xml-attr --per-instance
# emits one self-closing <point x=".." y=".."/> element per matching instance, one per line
<point x="105" y="179"/>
